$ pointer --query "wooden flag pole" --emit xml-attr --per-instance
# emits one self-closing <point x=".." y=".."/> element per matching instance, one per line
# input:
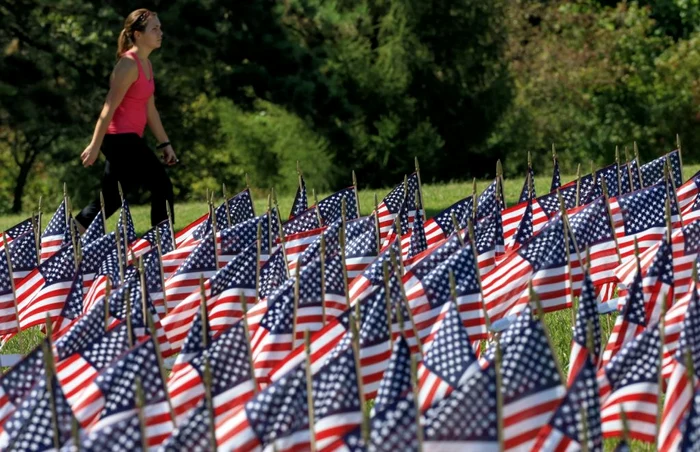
<point x="75" y="433"/>
<point x="152" y="328"/>
<point x="357" y="194"/>
<point x="246" y="329"/>
<point x="625" y="425"/>
<point x="282" y="240"/>
<point x="639" y="165"/>
<point x="387" y="300"/>
<point x="404" y="301"/>
<point x="475" y="200"/>
<point x="127" y="318"/>
<point x="323" y="279"/>
<point x="142" y="281"/>
<point x="108" y="293"/>
<point x="38" y="228"/>
<point x="416" y="400"/>
<point x="376" y="223"/>
<point x="120" y="261"/>
<point x="499" y="184"/>
<point x="170" y="223"/>
<point x="102" y="209"/>
<point x="578" y="184"/>
<point x="212" y="215"/>
<point x="203" y="312"/>
<point x="680" y="154"/>
<point x="355" y="343"/>
<point x="487" y="320"/>
<point x="37" y="235"/>
<point x="258" y="252"/>
<point x="269" y="220"/>
<point x="296" y="303"/>
<point x="399" y="233"/>
<point x="140" y="402"/>
<point x="499" y="395"/>
<point x="50" y="374"/>
<point x="310" y="392"/>
<point x="159" y="251"/>
<point x="420" y="188"/>
<point x="227" y="206"/>
<point x="669" y="178"/>
<point x="209" y="400"/>
<point x="628" y="165"/>
<point x="660" y="380"/>
<point x="11" y="276"/>
<point x="343" y="263"/>
<point x="457" y="231"/>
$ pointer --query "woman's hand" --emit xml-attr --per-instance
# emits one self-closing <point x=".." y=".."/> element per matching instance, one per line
<point x="169" y="155"/>
<point x="90" y="154"/>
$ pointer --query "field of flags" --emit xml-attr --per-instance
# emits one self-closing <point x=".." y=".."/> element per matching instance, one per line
<point x="327" y="330"/>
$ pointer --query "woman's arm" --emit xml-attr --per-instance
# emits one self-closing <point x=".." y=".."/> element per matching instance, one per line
<point x="156" y="126"/>
<point x="125" y="73"/>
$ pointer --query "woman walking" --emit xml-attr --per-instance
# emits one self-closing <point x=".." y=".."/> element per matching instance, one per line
<point x="119" y="131"/>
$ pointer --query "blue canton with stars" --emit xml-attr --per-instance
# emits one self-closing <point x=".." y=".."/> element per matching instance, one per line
<point x="59" y="268"/>
<point x="546" y="250"/>
<point x="97" y="252"/>
<point x="334" y="387"/>
<point x="21" y="228"/>
<point x="462" y="210"/>
<point x="634" y="310"/>
<point x="361" y="237"/>
<point x="331" y="207"/>
<point x="488" y="202"/>
<point x="637" y="361"/>
<point x="450" y="354"/>
<point x="662" y="265"/>
<point x="436" y="284"/>
<point x="237" y="238"/>
<point x="73" y="306"/>
<point x="165" y="234"/>
<point x="239" y="272"/>
<point x="200" y="260"/>
<point x="58" y="223"/>
<point x="581" y="397"/>
<point x="556" y="177"/>
<point x="691" y="238"/>
<point x="272" y="274"/>
<point x="120" y="436"/>
<point x="96" y="230"/>
<point x="301" y="202"/>
<point x="20" y="378"/>
<point x="194" y="434"/>
<point x="525" y="227"/>
<point x="690" y="428"/>
<point x="525" y="191"/>
<point x="418" y="242"/>
<point x="396" y="381"/>
<point x="654" y="170"/>
<point x="305" y="221"/>
<point x="118" y="381"/>
<point x="468" y="413"/>
<point x="125" y="222"/>
<point x="488" y="233"/>
<point x="590" y="226"/>
<point x="588" y="312"/>
<point x="23" y="255"/>
<point x="611" y="175"/>
<point x="689" y="340"/>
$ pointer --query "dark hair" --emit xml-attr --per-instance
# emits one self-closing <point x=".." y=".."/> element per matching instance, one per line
<point x="136" y="21"/>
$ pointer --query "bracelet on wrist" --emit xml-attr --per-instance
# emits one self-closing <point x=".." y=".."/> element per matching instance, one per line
<point x="163" y="145"/>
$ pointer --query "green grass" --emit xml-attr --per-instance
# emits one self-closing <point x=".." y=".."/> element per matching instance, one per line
<point x="436" y="198"/>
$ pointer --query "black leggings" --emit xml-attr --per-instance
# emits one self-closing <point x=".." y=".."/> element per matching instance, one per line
<point x="134" y="165"/>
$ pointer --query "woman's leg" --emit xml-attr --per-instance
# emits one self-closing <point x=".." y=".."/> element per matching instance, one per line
<point x="156" y="180"/>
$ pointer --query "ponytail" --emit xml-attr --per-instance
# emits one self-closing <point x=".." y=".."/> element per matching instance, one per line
<point x="136" y="21"/>
<point x="124" y="43"/>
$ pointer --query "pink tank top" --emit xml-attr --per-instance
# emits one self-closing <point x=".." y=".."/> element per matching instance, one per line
<point x="131" y="115"/>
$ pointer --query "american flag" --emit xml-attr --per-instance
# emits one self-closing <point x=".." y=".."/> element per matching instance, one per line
<point x="631" y="322"/>
<point x="611" y="175"/>
<point x="658" y="284"/>
<point x="591" y="228"/>
<point x="71" y="308"/>
<point x="94" y="254"/>
<point x="449" y="362"/>
<point x="23" y="255"/>
<point x="541" y="262"/>
<point x="392" y="429"/>
<point x="153" y="271"/>
<point x="687" y="195"/>
<point x="125" y="224"/>
<point x="299" y="233"/>
<point x="52" y="239"/>
<point x="330" y="207"/>
<point x="531" y="385"/>
<point x="556" y="176"/>
<point x="529" y="184"/>
<point x="21" y="228"/>
<point x="629" y="382"/>
<point x="301" y="202"/>
<point x="392" y="204"/>
<point x="31" y="426"/>
<point x="232" y="241"/>
<point x="566" y="429"/>
<point x="111" y="396"/>
<point x="488" y="240"/>
<point x="429" y="292"/>
<point x="588" y="189"/>
<point x="193" y="433"/>
<point x="682" y="386"/>
<point x="513" y="216"/>
<point x="16" y="382"/>
<point x="673" y="326"/>
<point x="525" y="229"/>
<point x="87" y="350"/>
<point x="641" y="215"/>
<point x="148" y="241"/>
<point x="108" y="270"/>
<point x="222" y="292"/>
<point x="372" y="276"/>
<point x="361" y="245"/>
<point x="418" y="244"/>
<point x="44" y="290"/>
<point x="229" y="365"/>
<point x="202" y="262"/>
<point x="121" y="436"/>
<point x="273" y="413"/>
<point x="96" y="230"/>
<point x="273" y="274"/>
<point x="587" y="314"/>
<point x="240" y="209"/>
<point x="466" y="419"/>
<point x="440" y="226"/>
<point x="490" y="200"/>
<point x="9" y="322"/>
<point x="629" y="177"/>
<point x="396" y="382"/>
<point x="691" y="427"/>
<point x="653" y="171"/>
